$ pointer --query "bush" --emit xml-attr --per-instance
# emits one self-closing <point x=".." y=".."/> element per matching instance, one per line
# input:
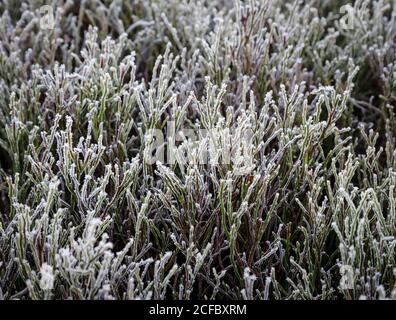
<point x="197" y="149"/>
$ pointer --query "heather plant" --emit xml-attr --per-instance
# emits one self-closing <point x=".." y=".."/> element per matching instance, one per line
<point x="197" y="149"/>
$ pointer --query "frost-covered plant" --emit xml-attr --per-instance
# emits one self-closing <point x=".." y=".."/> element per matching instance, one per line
<point x="197" y="149"/>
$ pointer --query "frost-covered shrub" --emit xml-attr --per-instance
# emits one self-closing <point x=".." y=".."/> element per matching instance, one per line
<point x="197" y="149"/>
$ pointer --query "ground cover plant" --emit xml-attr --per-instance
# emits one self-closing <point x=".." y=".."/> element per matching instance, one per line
<point x="177" y="149"/>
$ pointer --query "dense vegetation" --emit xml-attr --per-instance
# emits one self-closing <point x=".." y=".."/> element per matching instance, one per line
<point x="303" y="209"/>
